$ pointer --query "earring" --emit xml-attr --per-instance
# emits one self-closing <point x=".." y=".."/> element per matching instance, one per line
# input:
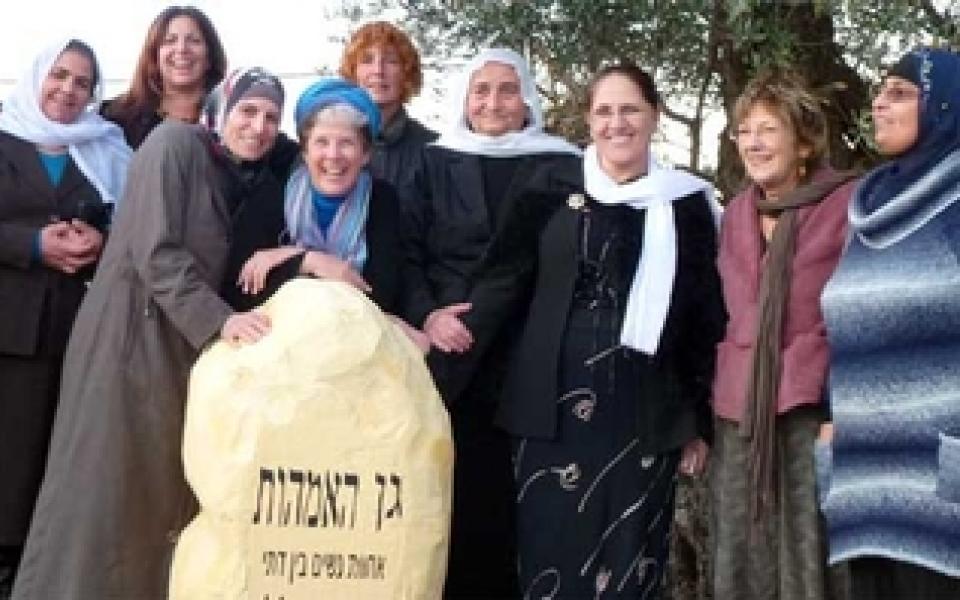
<point x="802" y="171"/>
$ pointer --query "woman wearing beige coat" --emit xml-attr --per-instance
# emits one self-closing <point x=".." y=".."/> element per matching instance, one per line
<point x="114" y="497"/>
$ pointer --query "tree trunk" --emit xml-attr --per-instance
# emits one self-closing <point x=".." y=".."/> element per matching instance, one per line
<point x="818" y="58"/>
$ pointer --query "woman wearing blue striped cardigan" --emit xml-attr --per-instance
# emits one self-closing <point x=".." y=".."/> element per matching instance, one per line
<point x="890" y="477"/>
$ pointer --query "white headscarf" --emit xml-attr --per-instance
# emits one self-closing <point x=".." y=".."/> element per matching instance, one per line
<point x="96" y="145"/>
<point x="531" y="140"/>
<point x="649" y="298"/>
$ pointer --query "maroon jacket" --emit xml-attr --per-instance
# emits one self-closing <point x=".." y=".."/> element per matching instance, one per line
<point x="805" y="354"/>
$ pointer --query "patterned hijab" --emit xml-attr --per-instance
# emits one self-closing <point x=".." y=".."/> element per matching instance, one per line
<point x="240" y="83"/>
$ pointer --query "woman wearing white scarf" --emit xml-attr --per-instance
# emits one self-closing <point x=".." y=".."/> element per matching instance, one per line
<point x="493" y="150"/>
<point x="95" y="145"/>
<point x="59" y="169"/>
<point x="607" y="392"/>
<point x="460" y="135"/>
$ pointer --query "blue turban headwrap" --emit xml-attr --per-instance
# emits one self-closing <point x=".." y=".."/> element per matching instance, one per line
<point x="334" y="90"/>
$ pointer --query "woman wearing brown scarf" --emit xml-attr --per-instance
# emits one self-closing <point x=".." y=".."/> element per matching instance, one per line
<point x="781" y="238"/>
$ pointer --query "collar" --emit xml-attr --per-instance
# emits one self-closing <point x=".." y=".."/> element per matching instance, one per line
<point x="392" y="131"/>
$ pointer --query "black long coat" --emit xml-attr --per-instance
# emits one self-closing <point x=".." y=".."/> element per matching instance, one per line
<point x="448" y="226"/>
<point x="37" y="308"/>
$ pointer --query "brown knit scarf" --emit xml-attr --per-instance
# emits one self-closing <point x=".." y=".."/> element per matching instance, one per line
<point x="763" y="385"/>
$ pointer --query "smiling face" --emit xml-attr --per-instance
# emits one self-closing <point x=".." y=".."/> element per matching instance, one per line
<point x="380" y="72"/>
<point x="335" y="152"/>
<point x="67" y="88"/>
<point x="494" y="100"/>
<point x="182" y="56"/>
<point x="770" y="151"/>
<point x="251" y="128"/>
<point x="896" y="116"/>
<point x="621" y="123"/>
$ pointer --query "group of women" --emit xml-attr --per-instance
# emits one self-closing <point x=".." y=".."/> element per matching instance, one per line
<point x="593" y="319"/>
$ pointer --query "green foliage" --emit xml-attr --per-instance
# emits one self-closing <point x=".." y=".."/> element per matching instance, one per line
<point x="700" y="52"/>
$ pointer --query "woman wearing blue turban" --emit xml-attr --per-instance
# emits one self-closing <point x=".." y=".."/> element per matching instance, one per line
<point x="338" y="221"/>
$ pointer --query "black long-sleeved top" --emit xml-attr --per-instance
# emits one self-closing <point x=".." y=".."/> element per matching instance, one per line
<point x="397" y="152"/>
<point x="533" y="266"/>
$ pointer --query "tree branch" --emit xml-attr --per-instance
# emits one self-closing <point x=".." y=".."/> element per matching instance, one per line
<point x="941" y="22"/>
<point x="679" y="118"/>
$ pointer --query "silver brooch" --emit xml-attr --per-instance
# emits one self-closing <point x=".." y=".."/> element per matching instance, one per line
<point x="576" y="201"/>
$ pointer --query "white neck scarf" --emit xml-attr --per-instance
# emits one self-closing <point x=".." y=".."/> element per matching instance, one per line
<point x="96" y="145"/>
<point x="531" y="140"/>
<point x="649" y="297"/>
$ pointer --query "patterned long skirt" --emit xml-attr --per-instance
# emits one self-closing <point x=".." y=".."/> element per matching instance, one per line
<point x="593" y="510"/>
<point x="785" y="558"/>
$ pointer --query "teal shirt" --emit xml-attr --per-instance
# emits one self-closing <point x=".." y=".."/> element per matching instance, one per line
<point x="54" y="165"/>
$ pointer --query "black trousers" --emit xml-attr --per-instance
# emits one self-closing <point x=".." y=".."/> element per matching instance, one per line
<point x="483" y="553"/>
<point x="875" y="578"/>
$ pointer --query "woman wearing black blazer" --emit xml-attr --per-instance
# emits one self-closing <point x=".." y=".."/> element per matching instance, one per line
<point x="607" y="392"/>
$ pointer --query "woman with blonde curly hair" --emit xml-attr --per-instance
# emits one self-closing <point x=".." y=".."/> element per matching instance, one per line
<point x="781" y="239"/>
<point x="381" y="59"/>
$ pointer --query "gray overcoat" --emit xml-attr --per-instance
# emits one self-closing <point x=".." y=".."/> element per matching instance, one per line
<point x="114" y="497"/>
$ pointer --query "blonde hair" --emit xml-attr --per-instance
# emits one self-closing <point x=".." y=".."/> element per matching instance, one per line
<point x="787" y="94"/>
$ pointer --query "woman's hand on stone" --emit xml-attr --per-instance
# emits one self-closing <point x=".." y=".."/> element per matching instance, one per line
<point x="253" y="274"/>
<point x="245" y="328"/>
<point x="326" y="266"/>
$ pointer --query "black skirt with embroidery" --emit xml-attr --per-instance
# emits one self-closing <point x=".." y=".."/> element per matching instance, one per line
<point x="593" y="508"/>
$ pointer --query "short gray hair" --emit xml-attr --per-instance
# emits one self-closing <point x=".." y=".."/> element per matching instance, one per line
<point x="340" y="113"/>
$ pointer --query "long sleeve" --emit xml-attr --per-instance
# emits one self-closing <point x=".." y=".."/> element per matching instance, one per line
<point x="16" y="244"/>
<point x="500" y="289"/>
<point x="705" y="315"/>
<point x="417" y="219"/>
<point x="506" y="273"/>
<point x="163" y="181"/>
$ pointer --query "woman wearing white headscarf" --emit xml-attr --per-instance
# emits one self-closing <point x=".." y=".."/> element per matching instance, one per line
<point x="606" y="396"/>
<point x="492" y="150"/>
<point x="61" y="167"/>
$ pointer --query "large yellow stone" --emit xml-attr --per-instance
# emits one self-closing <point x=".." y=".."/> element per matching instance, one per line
<point x="322" y="458"/>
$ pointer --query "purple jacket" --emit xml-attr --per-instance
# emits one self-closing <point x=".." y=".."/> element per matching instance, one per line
<point x="805" y="354"/>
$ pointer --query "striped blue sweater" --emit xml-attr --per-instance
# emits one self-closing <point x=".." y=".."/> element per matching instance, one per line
<point x="890" y="481"/>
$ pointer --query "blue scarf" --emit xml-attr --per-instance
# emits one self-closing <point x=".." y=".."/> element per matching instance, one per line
<point x="937" y="73"/>
<point x="345" y="235"/>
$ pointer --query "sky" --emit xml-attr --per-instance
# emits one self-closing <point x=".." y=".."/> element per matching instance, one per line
<point x="292" y="38"/>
